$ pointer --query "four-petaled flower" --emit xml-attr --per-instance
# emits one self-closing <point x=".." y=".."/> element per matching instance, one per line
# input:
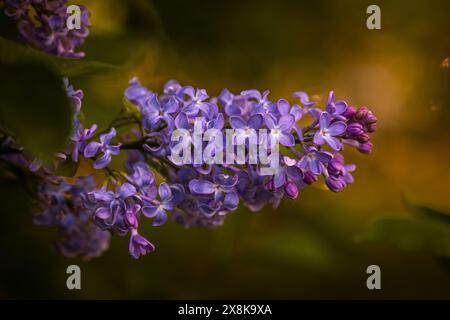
<point x="313" y="160"/>
<point x="138" y="245"/>
<point x="222" y="187"/>
<point x="246" y="128"/>
<point x="281" y="129"/>
<point x="93" y="148"/>
<point x="154" y="111"/>
<point x="328" y="131"/>
<point x="157" y="208"/>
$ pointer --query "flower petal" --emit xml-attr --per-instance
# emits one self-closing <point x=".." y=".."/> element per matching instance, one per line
<point x="318" y="138"/>
<point x="91" y="149"/>
<point x="315" y="166"/>
<point x="103" y="161"/>
<point x="287" y="139"/>
<point x="150" y="210"/>
<point x="164" y="191"/>
<point x="161" y="218"/>
<point x="333" y="142"/>
<point x="231" y="201"/>
<point x="279" y="179"/>
<point x="286" y="122"/>
<point x="106" y="138"/>
<point x="255" y="121"/>
<point x="340" y="106"/>
<point x="283" y="106"/>
<point x="126" y="190"/>
<point x="237" y="122"/>
<point x="325" y="120"/>
<point x="270" y="121"/>
<point x="337" y="128"/>
<point x="294" y="173"/>
<point x="201" y="186"/>
<point x="181" y="121"/>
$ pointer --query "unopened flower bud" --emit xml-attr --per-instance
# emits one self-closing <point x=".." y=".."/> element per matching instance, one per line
<point x="349" y="112"/>
<point x="363" y="137"/>
<point x="270" y="185"/>
<point x="335" y="167"/>
<point x="291" y="190"/>
<point x="372" y="127"/>
<point x="365" y="147"/>
<point x="335" y="184"/>
<point x="309" y="177"/>
<point x="131" y="220"/>
<point x="361" y="113"/>
<point x="355" y="129"/>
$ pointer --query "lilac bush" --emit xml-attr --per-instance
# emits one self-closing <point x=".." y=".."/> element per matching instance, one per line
<point x="43" y="25"/>
<point x="311" y="144"/>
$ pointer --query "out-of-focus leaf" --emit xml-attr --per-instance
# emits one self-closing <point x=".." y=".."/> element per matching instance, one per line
<point x="425" y="211"/>
<point x="296" y="248"/>
<point x="410" y="235"/>
<point x="68" y="168"/>
<point x="13" y="52"/>
<point x="35" y="108"/>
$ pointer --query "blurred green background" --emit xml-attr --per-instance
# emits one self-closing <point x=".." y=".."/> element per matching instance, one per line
<point x="320" y="245"/>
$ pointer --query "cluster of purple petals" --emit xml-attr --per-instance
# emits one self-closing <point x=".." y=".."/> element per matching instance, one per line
<point x="43" y="25"/>
<point x="121" y="210"/>
<point x="191" y="194"/>
<point x="62" y="206"/>
<point x="205" y="194"/>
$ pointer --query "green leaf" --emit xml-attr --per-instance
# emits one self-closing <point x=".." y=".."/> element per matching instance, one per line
<point x="409" y="235"/>
<point x="14" y="52"/>
<point x="425" y="211"/>
<point x="35" y="108"/>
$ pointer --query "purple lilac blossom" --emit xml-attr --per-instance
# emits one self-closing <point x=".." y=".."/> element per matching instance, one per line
<point x="103" y="148"/>
<point x="190" y="194"/>
<point x="42" y="24"/>
<point x="62" y="207"/>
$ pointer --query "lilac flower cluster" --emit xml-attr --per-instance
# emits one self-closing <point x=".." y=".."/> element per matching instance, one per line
<point x="63" y="206"/>
<point x="203" y="194"/>
<point x="43" y="25"/>
<point x="194" y="193"/>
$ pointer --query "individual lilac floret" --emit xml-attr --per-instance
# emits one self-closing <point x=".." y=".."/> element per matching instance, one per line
<point x="314" y="160"/>
<point x="263" y="104"/>
<point x="246" y="127"/>
<point x="104" y="148"/>
<point x="139" y="246"/>
<point x="222" y="188"/>
<point x="80" y="138"/>
<point x="195" y="100"/>
<point x="304" y="98"/>
<point x="335" y="108"/>
<point x="328" y="131"/>
<point x="281" y="129"/>
<point x="288" y="171"/>
<point x="157" y="208"/>
<point x="154" y="112"/>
